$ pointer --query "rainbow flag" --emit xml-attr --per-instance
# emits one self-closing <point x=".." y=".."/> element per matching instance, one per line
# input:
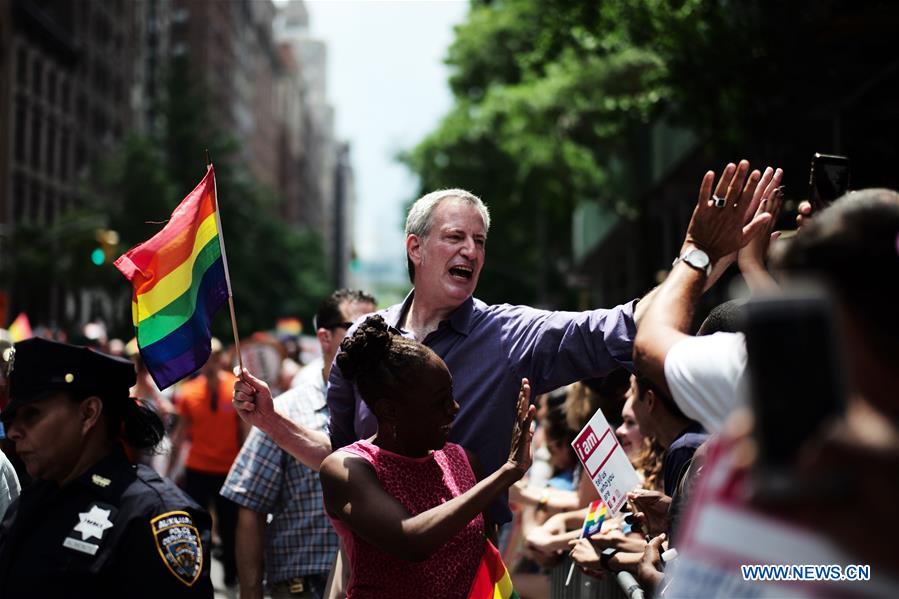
<point x="492" y="580"/>
<point x="20" y="329"/>
<point x="179" y="283"/>
<point x="596" y="514"/>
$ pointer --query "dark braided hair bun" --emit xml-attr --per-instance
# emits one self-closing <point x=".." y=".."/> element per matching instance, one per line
<point x="363" y="351"/>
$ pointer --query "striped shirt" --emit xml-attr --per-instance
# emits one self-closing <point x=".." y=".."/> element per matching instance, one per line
<point x="299" y="540"/>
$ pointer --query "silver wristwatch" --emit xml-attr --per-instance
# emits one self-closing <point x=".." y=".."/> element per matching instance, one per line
<point x="696" y="258"/>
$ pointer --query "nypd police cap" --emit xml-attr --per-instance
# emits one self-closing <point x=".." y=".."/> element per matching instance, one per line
<point x="42" y="367"/>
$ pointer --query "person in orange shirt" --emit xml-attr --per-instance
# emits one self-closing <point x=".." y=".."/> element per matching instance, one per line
<point x="216" y="434"/>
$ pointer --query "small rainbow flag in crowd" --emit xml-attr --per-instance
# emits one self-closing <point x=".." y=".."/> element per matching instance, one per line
<point x="492" y="580"/>
<point x="180" y="280"/>
<point x="20" y="329"/>
<point x="596" y="514"/>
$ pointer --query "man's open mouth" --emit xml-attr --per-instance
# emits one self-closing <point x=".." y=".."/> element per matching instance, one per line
<point x="462" y="272"/>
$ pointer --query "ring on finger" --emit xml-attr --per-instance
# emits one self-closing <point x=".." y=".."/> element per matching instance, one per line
<point x="719" y="202"/>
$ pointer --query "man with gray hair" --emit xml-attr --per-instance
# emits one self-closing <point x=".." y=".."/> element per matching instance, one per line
<point x="488" y="349"/>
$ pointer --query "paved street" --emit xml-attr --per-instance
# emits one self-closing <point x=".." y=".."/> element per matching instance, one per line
<point x="218" y="582"/>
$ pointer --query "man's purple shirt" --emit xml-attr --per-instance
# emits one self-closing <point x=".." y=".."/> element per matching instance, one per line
<point x="488" y="350"/>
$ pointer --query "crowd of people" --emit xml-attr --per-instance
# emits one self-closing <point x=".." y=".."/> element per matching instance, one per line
<point x="436" y="435"/>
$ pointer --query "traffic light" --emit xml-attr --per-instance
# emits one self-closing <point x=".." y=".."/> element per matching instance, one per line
<point x="107" y="248"/>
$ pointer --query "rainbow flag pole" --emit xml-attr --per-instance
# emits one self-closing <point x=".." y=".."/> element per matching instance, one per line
<point x="218" y="221"/>
<point x="596" y="515"/>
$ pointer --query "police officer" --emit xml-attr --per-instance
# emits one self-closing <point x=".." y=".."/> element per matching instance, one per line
<point x="92" y="524"/>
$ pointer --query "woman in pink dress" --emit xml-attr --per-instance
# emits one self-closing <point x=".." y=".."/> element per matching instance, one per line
<point x="406" y="503"/>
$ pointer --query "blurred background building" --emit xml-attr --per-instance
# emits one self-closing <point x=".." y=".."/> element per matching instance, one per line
<point x="76" y="78"/>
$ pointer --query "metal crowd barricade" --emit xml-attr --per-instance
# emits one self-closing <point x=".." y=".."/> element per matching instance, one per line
<point x="582" y="586"/>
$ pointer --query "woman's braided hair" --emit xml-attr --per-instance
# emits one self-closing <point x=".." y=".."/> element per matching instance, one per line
<point x="381" y="362"/>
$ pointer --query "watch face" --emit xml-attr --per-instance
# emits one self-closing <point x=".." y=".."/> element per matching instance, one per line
<point x="697" y="258"/>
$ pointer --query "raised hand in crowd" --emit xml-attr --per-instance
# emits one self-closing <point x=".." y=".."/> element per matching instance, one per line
<point x="650" y="509"/>
<point x="520" y="453"/>
<point x="753" y="256"/>
<point x="726" y="220"/>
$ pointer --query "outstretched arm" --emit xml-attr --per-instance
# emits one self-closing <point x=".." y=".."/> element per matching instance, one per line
<point x="253" y="401"/>
<point x="353" y="493"/>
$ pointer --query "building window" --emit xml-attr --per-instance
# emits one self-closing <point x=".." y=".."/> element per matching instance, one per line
<point x="101" y="78"/>
<point x="37" y="81"/>
<point x="100" y="125"/>
<point x="51" y="87"/>
<point x="51" y="150"/>
<point x="101" y="30"/>
<point x="64" y="156"/>
<point x="64" y="90"/>
<point x="34" y="204"/>
<point x="81" y="108"/>
<point x="18" y="197"/>
<point x="36" y="147"/>
<point x="21" y="66"/>
<point x="80" y="155"/>
<point x="50" y="210"/>
<point x="21" y="124"/>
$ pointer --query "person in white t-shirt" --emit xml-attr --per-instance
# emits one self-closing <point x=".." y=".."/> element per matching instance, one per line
<point x="706" y="375"/>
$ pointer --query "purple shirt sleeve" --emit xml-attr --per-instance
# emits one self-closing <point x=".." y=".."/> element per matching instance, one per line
<point x="553" y="349"/>
<point x="342" y="406"/>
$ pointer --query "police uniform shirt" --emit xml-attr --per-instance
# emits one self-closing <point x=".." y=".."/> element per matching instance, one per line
<point x="118" y="530"/>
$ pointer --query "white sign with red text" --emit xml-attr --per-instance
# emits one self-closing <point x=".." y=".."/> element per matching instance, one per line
<point x="605" y="462"/>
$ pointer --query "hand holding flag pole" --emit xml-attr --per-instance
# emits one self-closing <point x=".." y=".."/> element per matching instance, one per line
<point x="596" y="514"/>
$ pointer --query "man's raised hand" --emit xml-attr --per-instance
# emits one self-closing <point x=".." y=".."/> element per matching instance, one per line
<point x="719" y="225"/>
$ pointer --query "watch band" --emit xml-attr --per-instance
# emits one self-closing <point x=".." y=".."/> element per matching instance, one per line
<point x="686" y="258"/>
<point x="605" y="556"/>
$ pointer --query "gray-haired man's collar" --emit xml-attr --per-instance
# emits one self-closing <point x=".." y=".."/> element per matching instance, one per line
<point x="460" y="319"/>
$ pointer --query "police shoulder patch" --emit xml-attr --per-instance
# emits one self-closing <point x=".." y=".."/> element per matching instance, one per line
<point x="179" y="545"/>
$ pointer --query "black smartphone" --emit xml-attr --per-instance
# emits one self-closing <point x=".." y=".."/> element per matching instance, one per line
<point x="828" y="179"/>
<point x="796" y="382"/>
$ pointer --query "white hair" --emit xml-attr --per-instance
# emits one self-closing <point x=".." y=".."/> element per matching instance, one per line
<point x="419" y="220"/>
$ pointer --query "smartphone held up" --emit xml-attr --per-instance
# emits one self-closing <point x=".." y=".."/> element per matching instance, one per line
<point x="828" y="179"/>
